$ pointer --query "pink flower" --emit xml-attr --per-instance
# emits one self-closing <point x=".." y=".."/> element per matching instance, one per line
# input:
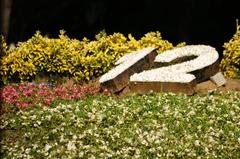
<point x="28" y="94"/>
<point x="9" y="94"/>
<point x="106" y="92"/>
<point x="48" y="101"/>
<point x="22" y="105"/>
<point x="43" y="86"/>
<point x="21" y="87"/>
<point x="41" y="93"/>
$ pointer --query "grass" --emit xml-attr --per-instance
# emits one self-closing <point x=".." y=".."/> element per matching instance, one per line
<point x="162" y="125"/>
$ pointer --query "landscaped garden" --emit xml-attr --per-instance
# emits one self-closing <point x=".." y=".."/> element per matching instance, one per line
<point x="53" y="107"/>
<point x="161" y="125"/>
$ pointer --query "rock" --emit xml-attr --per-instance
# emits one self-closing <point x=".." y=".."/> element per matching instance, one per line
<point x="208" y="86"/>
<point x="218" y="79"/>
<point x="205" y="87"/>
<point x="231" y="85"/>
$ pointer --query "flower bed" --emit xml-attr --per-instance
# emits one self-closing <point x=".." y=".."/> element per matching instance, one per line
<point x="30" y="94"/>
<point x="149" y="126"/>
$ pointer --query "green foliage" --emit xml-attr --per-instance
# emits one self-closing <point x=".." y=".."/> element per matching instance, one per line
<point x="82" y="60"/>
<point x="230" y="64"/>
<point x="3" y="52"/>
<point x="162" y="125"/>
<point x="3" y="46"/>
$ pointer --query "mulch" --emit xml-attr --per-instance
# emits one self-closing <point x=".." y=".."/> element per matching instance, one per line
<point x="209" y="86"/>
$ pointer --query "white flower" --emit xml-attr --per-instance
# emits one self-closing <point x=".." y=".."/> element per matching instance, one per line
<point x="48" y="117"/>
<point x="74" y="137"/>
<point x="197" y="143"/>
<point x="71" y="146"/>
<point x="39" y="122"/>
<point x="34" y="117"/>
<point x="24" y="124"/>
<point x="47" y="147"/>
<point x="28" y="150"/>
<point x="92" y="157"/>
<point x="62" y="138"/>
<point x="206" y="150"/>
<point x="192" y="112"/>
<point x="80" y="154"/>
<point x="211" y="139"/>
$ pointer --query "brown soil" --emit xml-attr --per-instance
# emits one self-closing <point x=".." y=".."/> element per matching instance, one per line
<point x="203" y="87"/>
<point x="208" y="86"/>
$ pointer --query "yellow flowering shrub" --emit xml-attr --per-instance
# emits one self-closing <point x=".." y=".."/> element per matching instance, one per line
<point x="3" y="47"/>
<point x="230" y="64"/>
<point x="3" y="52"/>
<point x="82" y="60"/>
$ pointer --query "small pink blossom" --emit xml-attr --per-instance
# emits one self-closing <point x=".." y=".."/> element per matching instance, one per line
<point x="22" y="105"/>
<point x="24" y="95"/>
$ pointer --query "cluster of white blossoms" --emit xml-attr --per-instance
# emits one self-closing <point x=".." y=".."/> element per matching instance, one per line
<point x="163" y="125"/>
<point x="157" y="75"/>
<point x="125" y="62"/>
<point x="206" y="56"/>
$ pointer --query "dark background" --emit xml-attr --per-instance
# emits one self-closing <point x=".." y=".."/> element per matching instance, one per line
<point x="210" y="22"/>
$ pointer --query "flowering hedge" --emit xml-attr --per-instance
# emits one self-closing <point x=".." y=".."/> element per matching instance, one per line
<point x="230" y="64"/>
<point x="81" y="60"/>
<point x="3" y="47"/>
